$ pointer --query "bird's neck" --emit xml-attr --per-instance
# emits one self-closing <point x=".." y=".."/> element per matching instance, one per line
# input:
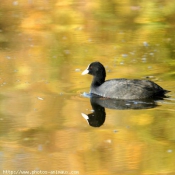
<point x="97" y="81"/>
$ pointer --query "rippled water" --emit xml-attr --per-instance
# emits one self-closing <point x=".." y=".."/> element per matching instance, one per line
<point x="44" y="47"/>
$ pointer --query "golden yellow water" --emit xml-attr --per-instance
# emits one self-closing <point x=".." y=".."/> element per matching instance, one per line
<point x="44" y="47"/>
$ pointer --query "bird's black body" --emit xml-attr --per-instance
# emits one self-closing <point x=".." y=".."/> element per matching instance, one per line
<point x="121" y="88"/>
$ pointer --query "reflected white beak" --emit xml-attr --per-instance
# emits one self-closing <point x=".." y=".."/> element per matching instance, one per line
<point x="85" y="72"/>
<point x="85" y="116"/>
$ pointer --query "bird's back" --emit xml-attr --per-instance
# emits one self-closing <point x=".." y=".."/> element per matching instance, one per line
<point x="128" y="89"/>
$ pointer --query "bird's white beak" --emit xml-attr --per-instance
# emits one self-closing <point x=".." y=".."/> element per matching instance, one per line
<point x="85" y="72"/>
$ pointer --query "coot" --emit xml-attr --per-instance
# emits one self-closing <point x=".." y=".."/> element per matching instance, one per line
<point x="121" y="88"/>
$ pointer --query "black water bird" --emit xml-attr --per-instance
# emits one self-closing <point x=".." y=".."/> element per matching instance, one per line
<point x="121" y="88"/>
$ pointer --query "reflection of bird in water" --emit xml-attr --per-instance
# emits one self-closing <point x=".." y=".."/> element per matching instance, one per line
<point x="121" y="88"/>
<point x="97" y="117"/>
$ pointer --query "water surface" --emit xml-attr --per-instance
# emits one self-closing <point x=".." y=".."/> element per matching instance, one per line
<point x="44" y="47"/>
